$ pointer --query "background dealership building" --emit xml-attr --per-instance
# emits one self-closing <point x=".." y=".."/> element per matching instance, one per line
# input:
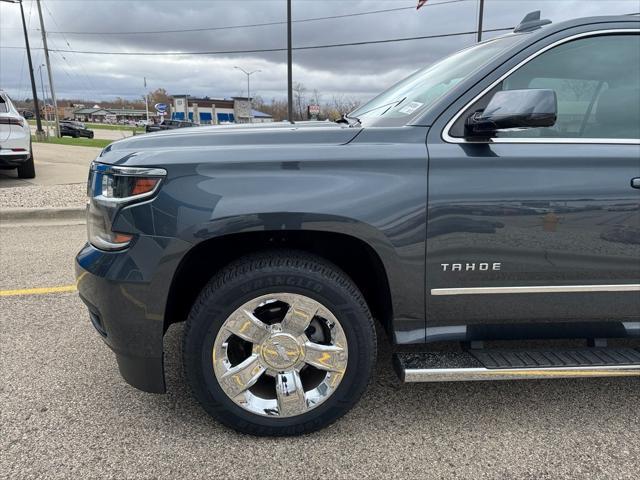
<point x="208" y="111"/>
<point x="108" y="115"/>
<point x="205" y="111"/>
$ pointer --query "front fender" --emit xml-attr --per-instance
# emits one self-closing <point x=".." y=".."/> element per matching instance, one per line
<point x="371" y="189"/>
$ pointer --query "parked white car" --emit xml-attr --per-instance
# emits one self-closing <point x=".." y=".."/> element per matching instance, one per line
<point x="15" y="139"/>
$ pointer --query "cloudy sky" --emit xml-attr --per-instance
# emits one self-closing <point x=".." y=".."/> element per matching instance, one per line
<point x="361" y="71"/>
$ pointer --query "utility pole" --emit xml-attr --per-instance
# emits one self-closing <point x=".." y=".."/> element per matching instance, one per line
<point x="248" y="74"/>
<point x="36" y="106"/>
<point x="289" y="66"/>
<point x="480" y="15"/>
<point x="46" y="58"/>
<point x="39" y="132"/>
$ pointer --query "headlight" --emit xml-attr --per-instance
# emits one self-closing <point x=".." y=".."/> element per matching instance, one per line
<point x="109" y="189"/>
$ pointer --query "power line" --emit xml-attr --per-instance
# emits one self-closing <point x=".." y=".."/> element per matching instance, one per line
<point x="24" y="91"/>
<point x="88" y="83"/>
<point x="268" y="50"/>
<point x="254" y="25"/>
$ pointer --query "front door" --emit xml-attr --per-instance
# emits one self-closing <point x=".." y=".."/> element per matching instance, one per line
<point x="542" y="225"/>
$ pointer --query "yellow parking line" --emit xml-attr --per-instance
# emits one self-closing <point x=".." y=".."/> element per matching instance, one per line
<point x="37" y="291"/>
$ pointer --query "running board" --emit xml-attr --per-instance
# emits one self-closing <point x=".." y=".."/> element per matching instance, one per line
<point x="472" y="365"/>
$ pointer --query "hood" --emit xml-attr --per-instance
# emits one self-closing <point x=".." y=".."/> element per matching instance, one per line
<point x="225" y="136"/>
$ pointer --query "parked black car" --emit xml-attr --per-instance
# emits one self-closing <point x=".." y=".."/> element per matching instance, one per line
<point x="74" y="129"/>
<point x="168" y="125"/>
<point x="472" y="202"/>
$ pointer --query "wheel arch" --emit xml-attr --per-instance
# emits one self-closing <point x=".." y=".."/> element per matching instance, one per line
<point x="356" y="257"/>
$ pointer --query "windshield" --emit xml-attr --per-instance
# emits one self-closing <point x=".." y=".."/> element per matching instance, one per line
<point x="4" y="104"/>
<point x="421" y="89"/>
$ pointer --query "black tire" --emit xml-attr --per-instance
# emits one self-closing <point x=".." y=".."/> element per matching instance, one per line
<point x="91" y="135"/>
<point x="27" y="169"/>
<point x="261" y="274"/>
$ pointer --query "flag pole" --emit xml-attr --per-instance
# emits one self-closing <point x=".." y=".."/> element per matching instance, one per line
<point x="480" y="15"/>
<point x="146" y="98"/>
<point x="289" y="66"/>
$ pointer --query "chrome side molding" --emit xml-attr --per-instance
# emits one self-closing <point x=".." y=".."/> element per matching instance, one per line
<point x="481" y="373"/>
<point x="630" y="287"/>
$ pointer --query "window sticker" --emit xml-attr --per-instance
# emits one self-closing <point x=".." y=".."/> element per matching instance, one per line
<point x="410" y="108"/>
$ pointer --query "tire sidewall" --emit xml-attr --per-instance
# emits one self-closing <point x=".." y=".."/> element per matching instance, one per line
<point x="218" y="306"/>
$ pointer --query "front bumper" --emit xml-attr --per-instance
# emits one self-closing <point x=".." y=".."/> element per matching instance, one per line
<point x="126" y="294"/>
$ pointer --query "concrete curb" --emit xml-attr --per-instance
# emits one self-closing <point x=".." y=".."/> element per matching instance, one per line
<point x="29" y="215"/>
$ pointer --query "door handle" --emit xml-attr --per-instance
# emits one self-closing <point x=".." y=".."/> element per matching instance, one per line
<point x="635" y="182"/>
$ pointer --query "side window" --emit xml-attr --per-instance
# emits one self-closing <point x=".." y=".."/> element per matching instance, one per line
<point x="597" y="84"/>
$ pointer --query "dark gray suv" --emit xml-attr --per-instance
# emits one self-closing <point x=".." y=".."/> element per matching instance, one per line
<point x="491" y="196"/>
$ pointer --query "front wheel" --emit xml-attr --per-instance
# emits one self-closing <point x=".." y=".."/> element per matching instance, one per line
<point x="279" y="344"/>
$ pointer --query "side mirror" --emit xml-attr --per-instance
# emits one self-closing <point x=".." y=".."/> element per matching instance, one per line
<point x="527" y="108"/>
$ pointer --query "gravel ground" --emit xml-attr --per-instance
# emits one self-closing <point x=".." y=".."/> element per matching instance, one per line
<point x="66" y="413"/>
<point x="38" y="196"/>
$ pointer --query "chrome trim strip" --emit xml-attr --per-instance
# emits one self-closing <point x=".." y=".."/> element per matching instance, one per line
<point x="629" y="287"/>
<point x="478" y="374"/>
<point x="128" y="171"/>
<point x="623" y="141"/>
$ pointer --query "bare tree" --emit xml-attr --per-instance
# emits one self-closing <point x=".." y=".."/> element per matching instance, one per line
<point x="341" y="105"/>
<point x="580" y="88"/>
<point x="299" y="100"/>
<point x="257" y="102"/>
<point x="316" y="97"/>
<point x="159" y="95"/>
<point x="345" y="104"/>
<point x="277" y="108"/>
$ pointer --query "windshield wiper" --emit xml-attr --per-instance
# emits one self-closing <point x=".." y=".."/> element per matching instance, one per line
<point x="394" y="103"/>
<point x="349" y="120"/>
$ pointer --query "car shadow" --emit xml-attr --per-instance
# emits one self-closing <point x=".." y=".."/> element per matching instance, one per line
<point x="475" y="409"/>
<point x="9" y="178"/>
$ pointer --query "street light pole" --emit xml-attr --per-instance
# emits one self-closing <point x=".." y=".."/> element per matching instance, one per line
<point x="248" y="74"/>
<point x="36" y="107"/>
<point x="44" y="99"/>
<point x="44" y="96"/>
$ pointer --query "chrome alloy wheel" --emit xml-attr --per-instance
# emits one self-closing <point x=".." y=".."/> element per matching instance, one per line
<point x="280" y="355"/>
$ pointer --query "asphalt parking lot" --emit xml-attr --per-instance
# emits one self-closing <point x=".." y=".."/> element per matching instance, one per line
<point x="66" y="413"/>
